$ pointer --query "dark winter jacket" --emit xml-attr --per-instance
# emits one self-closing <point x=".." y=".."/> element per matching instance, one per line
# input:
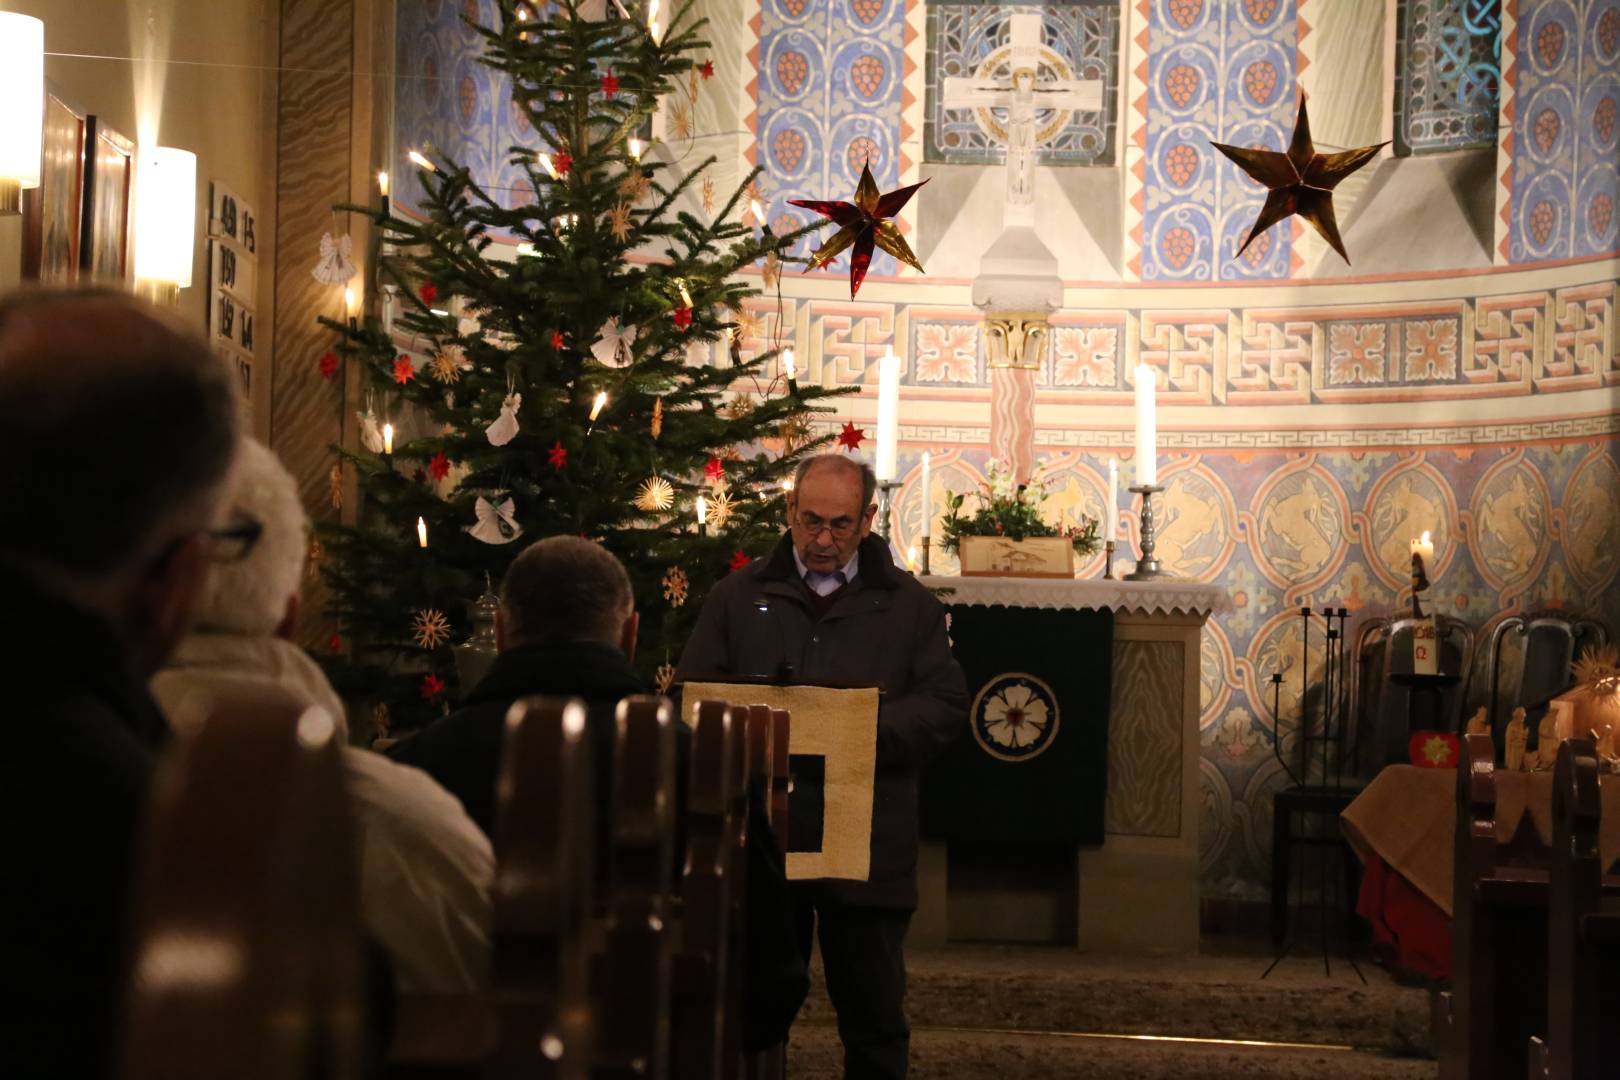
<point x="463" y="752"/>
<point x="82" y="739"/>
<point x="884" y="630"/>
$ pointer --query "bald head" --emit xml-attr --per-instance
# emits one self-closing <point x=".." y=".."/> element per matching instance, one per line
<point x="117" y="427"/>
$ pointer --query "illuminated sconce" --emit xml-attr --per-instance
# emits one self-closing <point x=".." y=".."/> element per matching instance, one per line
<point x="165" y="221"/>
<point x="22" y="89"/>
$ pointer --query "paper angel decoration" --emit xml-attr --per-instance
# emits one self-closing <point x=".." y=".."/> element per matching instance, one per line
<point x="335" y="267"/>
<point x="370" y="431"/>
<point x="496" y="524"/>
<point x="505" y="427"/>
<point x="612" y="348"/>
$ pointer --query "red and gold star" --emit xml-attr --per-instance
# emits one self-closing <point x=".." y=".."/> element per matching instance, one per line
<point x="404" y="370"/>
<point x="864" y="224"/>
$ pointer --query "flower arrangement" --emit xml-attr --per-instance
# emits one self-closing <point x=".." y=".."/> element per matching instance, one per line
<point x="1013" y="510"/>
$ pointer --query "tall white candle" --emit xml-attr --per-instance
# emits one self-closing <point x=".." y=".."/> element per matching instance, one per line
<point x="888" y="423"/>
<point x="1147" y="462"/>
<point x="1110" y="522"/>
<point x="927" y="500"/>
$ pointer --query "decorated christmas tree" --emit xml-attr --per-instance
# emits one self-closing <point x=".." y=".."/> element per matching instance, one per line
<point x="588" y="380"/>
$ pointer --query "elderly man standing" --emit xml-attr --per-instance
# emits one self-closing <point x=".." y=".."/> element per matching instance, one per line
<point x="117" y="430"/>
<point x="828" y="607"/>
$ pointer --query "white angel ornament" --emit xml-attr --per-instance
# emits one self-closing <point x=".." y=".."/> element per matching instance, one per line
<point x="505" y="427"/>
<point x="496" y="524"/>
<point x="335" y="267"/>
<point x="370" y="431"/>
<point x="612" y="348"/>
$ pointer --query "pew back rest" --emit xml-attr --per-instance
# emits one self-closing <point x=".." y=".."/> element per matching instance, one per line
<point x="246" y="956"/>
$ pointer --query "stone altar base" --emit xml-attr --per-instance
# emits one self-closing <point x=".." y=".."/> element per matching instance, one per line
<point x="1139" y="891"/>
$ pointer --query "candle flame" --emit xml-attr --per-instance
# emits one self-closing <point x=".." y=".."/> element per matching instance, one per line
<point x="601" y="402"/>
<point x="757" y="210"/>
<point x="545" y="159"/>
<point x="790" y="363"/>
<point x="702" y="510"/>
<point x="348" y="302"/>
<point x="421" y="162"/>
<point x="1424" y="539"/>
<point x="421" y="532"/>
<point x="686" y="297"/>
<point x="382" y="183"/>
<point x="635" y="148"/>
<point x="388" y="438"/>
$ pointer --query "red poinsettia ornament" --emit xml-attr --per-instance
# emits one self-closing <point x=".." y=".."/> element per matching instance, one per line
<point x="404" y="370"/>
<point x="682" y="316"/>
<point x="432" y="686"/>
<point x="557" y="340"/>
<point x="439" y="466"/>
<point x="740" y="560"/>
<point x="558" y="456"/>
<point x="850" y="438"/>
<point x="563" y="162"/>
<point x="428" y="291"/>
<point x="329" y="366"/>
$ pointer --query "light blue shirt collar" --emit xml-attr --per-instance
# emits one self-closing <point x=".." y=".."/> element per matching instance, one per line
<point x="821" y="584"/>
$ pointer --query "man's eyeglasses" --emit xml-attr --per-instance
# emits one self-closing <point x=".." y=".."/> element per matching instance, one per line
<point x="813" y="525"/>
<point x="233" y="543"/>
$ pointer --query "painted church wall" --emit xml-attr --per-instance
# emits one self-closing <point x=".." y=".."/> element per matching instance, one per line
<point x="1313" y="418"/>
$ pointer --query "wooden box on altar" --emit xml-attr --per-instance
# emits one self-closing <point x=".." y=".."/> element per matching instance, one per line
<point x="999" y="556"/>
<point x="1138" y="889"/>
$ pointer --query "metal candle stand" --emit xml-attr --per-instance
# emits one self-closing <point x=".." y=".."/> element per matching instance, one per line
<point x="1147" y="567"/>
<point x="885" y="504"/>
<point x="1324" y="744"/>
<point x="1108" y="561"/>
<point x="922" y="566"/>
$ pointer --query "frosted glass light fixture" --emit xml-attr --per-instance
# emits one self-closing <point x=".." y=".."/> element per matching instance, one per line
<point x="22" y="106"/>
<point x="165" y="219"/>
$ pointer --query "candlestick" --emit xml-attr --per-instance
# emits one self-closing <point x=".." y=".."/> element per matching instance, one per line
<point x="1147" y="567"/>
<point x="1108" y="560"/>
<point x="421" y="532"/>
<point x="888" y="422"/>
<point x="885" y="503"/>
<point x="349" y="309"/>
<point x="1147" y="462"/>
<point x="927" y="500"/>
<point x="927" y="543"/>
<point x="382" y="187"/>
<point x="702" y="515"/>
<point x="1111" y="510"/>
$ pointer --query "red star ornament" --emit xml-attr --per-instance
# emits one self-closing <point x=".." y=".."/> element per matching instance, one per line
<point x="334" y="644"/>
<point x="610" y="84"/>
<point x="404" y="370"/>
<point x="682" y="317"/>
<point x="439" y="466"/>
<point x="715" y="470"/>
<point x="432" y="686"/>
<point x="864" y="224"/>
<point x="329" y="366"/>
<point x="563" y="162"/>
<point x="428" y="291"/>
<point x="850" y="438"/>
<point x="740" y="560"/>
<point x="707" y="70"/>
<point x="557" y="340"/>
<point x="1300" y="181"/>
<point x="1434" y="749"/>
<point x="558" y="456"/>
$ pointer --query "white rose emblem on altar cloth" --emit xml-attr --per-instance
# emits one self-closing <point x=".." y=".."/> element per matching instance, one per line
<point x="1015" y="717"/>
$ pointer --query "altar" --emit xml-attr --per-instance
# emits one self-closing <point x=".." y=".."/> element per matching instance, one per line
<point x="1138" y="889"/>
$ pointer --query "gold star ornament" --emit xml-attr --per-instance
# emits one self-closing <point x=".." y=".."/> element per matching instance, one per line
<point x="1300" y="181"/>
<point x="864" y="224"/>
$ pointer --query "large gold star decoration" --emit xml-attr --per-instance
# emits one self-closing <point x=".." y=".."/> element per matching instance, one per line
<point x="863" y="224"/>
<point x="1300" y="181"/>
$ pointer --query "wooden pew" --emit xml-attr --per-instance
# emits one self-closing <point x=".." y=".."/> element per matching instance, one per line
<point x="706" y="878"/>
<point x="632" y="1030"/>
<point x="780" y="780"/>
<point x="247" y="958"/>
<point x="1583" y="940"/>
<point x="1497" y="1001"/>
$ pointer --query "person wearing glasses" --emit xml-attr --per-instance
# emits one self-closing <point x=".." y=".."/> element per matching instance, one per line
<point x="117" y="429"/>
<point x="424" y="868"/>
<point x="828" y="607"/>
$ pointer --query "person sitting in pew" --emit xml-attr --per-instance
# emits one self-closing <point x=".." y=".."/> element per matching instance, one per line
<point x="567" y="628"/>
<point x="117" y="427"/>
<point x="425" y="869"/>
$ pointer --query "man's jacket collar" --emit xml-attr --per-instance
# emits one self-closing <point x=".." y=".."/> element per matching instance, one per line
<point x="876" y="571"/>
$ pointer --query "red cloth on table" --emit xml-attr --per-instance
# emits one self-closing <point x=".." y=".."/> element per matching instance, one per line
<point x="1406" y="920"/>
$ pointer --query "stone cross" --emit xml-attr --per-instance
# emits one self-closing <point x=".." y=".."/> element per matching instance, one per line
<point x="1022" y="95"/>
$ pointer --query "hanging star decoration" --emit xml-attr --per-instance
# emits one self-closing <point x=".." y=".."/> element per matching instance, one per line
<point x="428" y="291"/>
<point x="850" y="438"/>
<point x="558" y="342"/>
<point x="863" y="224"/>
<point x="680" y="121"/>
<point x="610" y="84"/>
<point x="655" y="495"/>
<point x="658" y="418"/>
<point x="334" y="644"/>
<point x="563" y="162"/>
<point x="329" y="366"/>
<point x="634" y="184"/>
<point x="446" y="365"/>
<point x="404" y="370"/>
<point x="721" y="507"/>
<point x="1300" y="181"/>
<point x="708" y="194"/>
<point x="682" y="316"/>
<point x="619" y="221"/>
<point x="432" y="686"/>
<point x="739" y="561"/>
<point x="676" y="585"/>
<point x="430" y="628"/>
<point x="772" y="273"/>
<point x="558" y="456"/>
<point x="439" y="466"/>
<point x="707" y="69"/>
<point x="714" y="471"/>
<point x="665" y="677"/>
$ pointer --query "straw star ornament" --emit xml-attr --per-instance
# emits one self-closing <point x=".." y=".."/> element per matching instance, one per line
<point x="864" y="224"/>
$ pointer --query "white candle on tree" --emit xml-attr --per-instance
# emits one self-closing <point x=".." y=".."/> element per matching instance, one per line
<point x="1147" y="462"/>
<point x="927" y="500"/>
<point x="421" y="532"/>
<point x="888" y="421"/>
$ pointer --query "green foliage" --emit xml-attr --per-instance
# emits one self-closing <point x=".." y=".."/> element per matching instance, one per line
<point x="1006" y="508"/>
<point x="499" y="337"/>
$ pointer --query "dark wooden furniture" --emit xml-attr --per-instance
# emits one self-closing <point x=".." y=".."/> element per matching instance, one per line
<point x="1529" y="660"/>
<point x="1583" y="935"/>
<point x="1384" y="713"/>
<point x="247" y="958"/>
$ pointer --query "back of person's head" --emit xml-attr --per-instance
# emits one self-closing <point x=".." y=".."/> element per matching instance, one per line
<point x="565" y="588"/>
<point x="117" y="426"/>
<point x="250" y="595"/>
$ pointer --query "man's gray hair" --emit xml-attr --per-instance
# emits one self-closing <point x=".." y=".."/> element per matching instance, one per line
<point x="565" y="588"/>
<point x="117" y="426"/>
<point x="844" y="463"/>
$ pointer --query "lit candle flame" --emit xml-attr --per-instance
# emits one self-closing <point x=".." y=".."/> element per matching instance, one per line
<point x="388" y="438"/>
<point x="601" y="402"/>
<point x="757" y="210"/>
<point x="348" y="302"/>
<point x="686" y="297"/>
<point x="421" y="162"/>
<point x="652" y="21"/>
<point x="545" y="159"/>
<point x="702" y="511"/>
<point x="421" y="532"/>
<point x="635" y="148"/>
<point x="382" y="183"/>
<point x="911" y="557"/>
<point x="790" y="363"/>
<point x="525" y="250"/>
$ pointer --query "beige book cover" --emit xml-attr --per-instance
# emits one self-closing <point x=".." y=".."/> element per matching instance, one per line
<point x="840" y="727"/>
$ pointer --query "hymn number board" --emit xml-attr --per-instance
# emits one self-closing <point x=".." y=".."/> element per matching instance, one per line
<point x="233" y="276"/>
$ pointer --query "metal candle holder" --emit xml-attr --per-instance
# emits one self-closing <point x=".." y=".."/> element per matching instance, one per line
<point x="1147" y="567"/>
<point x="885" y="504"/>
<point x="923" y="567"/>
<point x="1108" y="561"/>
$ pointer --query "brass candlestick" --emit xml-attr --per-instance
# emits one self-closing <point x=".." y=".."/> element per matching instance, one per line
<point x="1108" y="561"/>
<point x="1147" y="567"/>
<point x="926" y="544"/>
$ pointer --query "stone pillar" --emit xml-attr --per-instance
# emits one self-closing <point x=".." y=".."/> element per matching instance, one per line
<point x="1017" y="287"/>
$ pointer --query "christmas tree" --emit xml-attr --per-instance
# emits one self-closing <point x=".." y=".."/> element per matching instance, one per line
<point x="558" y="391"/>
